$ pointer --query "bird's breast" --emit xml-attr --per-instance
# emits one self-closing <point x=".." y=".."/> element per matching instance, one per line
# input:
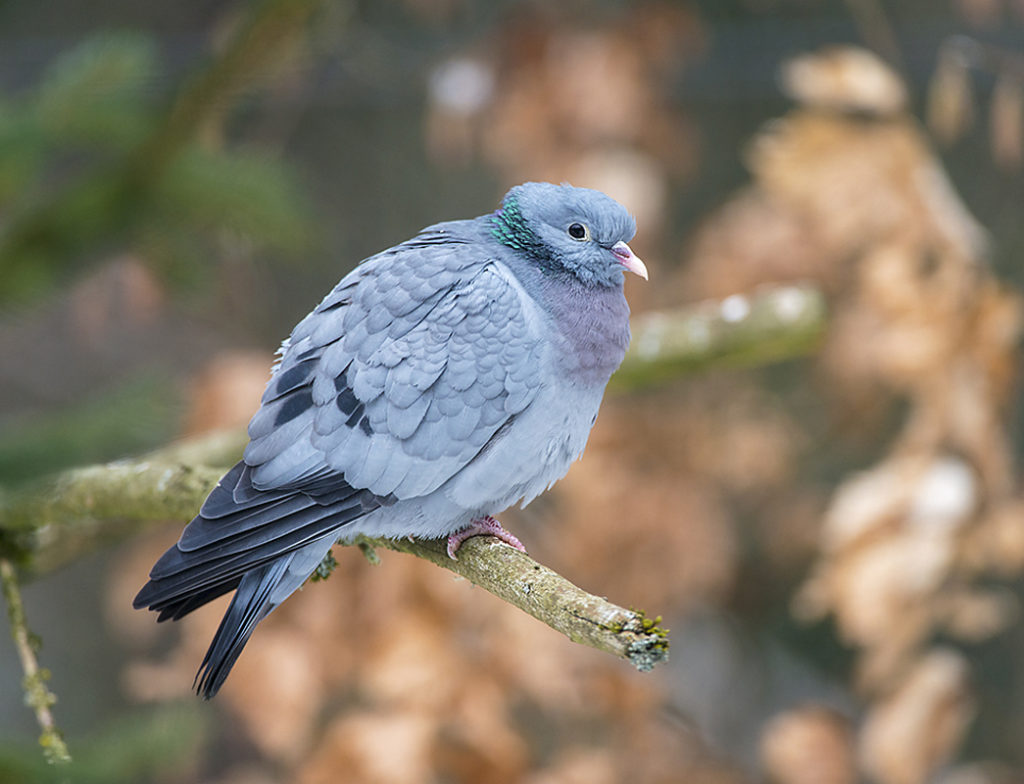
<point x="593" y="332"/>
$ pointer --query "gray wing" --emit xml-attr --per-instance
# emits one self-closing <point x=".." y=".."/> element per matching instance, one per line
<point x="400" y="376"/>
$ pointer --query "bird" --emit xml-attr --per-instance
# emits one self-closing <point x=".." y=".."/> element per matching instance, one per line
<point x="440" y="382"/>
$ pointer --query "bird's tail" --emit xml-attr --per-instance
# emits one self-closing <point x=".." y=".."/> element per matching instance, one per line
<point x="265" y="544"/>
<point x="259" y="592"/>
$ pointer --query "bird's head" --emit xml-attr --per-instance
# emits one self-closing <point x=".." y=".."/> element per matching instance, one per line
<point x="569" y="230"/>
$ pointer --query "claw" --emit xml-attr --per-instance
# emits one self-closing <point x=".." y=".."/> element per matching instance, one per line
<point x="484" y="526"/>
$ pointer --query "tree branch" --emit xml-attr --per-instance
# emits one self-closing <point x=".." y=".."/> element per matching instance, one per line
<point x="54" y="523"/>
<point x="537" y="590"/>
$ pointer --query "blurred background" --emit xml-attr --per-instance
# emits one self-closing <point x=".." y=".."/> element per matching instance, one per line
<point x="836" y="541"/>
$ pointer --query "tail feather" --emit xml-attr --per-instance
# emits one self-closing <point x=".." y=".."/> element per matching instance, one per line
<point x="260" y="591"/>
<point x="250" y="605"/>
<point x="176" y="610"/>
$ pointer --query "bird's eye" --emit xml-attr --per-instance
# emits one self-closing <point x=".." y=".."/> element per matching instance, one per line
<point x="578" y="231"/>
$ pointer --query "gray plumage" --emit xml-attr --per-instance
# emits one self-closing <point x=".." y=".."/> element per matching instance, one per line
<point x="441" y="381"/>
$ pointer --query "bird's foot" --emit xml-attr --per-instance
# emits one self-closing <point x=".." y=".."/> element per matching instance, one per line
<point x="484" y="526"/>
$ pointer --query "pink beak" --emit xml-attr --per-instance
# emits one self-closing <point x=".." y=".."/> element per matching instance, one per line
<point x="629" y="260"/>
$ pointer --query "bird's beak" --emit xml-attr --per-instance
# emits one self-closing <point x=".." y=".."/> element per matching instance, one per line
<point x="629" y="260"/>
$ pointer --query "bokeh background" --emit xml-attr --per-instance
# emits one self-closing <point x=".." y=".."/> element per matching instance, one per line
<point x="836" y="541"/>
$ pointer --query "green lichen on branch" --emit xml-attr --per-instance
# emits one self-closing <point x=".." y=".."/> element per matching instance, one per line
<point x="652" y="644"/>
<point x="370" y="554"/>
<point x="325" y="568"/>
<point x="37" y="694"/>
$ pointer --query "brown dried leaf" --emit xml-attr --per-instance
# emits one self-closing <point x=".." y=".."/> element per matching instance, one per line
<point x="916" y="496"/>
<point x="976" y="615"/>
<point x="579" y="765"/>
<point x="878" y="589"/>
<point x="997" y="543"/>
<point x="752" y="240"/>
<point x="844" y="78"/>
<point x="918" y="727"/>
<point x="374" y="748"/>
<point x="480" y="741"/>
<point x="274" y="690"/>
<point x="537" y="127"/>
<point x="892" y="537"/>
<point x="413" y="667"/>
<point x="808" y="745"/>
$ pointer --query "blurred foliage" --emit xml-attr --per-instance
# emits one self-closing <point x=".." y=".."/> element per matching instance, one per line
<point x="79" y="176"/>
<point x="128" y="418"/>
<point x="133" y="748"/>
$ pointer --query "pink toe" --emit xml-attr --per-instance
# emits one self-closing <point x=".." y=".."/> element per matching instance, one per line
<point x="486" y="526"/>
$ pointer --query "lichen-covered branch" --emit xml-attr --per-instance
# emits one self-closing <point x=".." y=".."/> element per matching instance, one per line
<point x="37" y="695"/>
<point x="535" y="589"/>
<point x="771" y="324"/>
<point x="52" y="524"/>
